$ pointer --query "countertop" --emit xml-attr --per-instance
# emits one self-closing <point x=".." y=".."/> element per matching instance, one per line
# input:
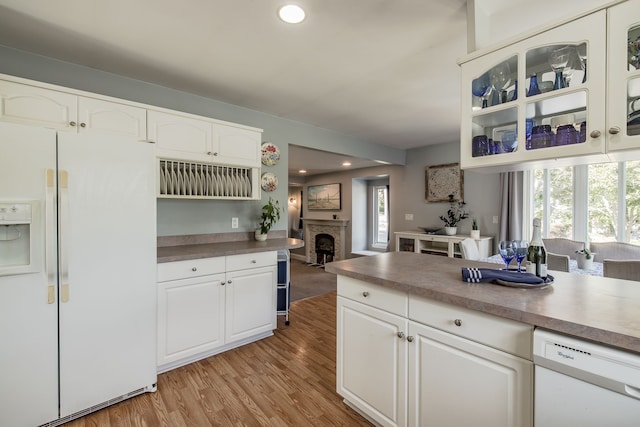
<point x="599" y="309"/>
<point x="209" y="250"/>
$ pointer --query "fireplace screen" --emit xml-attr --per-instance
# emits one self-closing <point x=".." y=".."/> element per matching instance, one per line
<point x="325" y="248"/>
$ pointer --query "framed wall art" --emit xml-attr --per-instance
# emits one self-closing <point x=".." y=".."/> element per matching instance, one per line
<point x="442" y="181"/>
<point x="325" y="197"/>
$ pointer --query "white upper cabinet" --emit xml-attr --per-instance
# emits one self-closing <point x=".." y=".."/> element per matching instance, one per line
<point x="508" y="125"/>
<point x="37" y="106"/>
<point x="179" y="137"/>
<point x="623" y="48"/>
<point x="185" y="138"/>
<point x="32" y="105"/>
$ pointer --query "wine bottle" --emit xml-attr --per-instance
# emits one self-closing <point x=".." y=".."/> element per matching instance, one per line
<point x="536" y="254"/>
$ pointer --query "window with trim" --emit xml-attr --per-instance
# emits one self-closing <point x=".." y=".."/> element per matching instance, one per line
<point x="380" y="216"/>
<point x="599" y="202"/>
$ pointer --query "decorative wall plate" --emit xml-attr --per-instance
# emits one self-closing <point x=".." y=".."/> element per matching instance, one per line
<point x="269" y="181"/>
<point x="270" y="154"/>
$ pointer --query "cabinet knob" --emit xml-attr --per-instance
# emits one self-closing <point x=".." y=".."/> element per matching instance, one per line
<point x="253" y="261"/>
<point x="365" y="294"/>
<point x="614" y="130"/>
<point x="209" y="153"/>
<point x="194" y="268"/>
<point x="410" y="338"/>
<point x="72" y="124"/>
<point x="595" y="134"/>
<point x="83" y="125"/>
<point x="215" y="153"/>
<point x="458" y="322"/>
<point x="229" y="281"/>
<point x="400" y="335"/>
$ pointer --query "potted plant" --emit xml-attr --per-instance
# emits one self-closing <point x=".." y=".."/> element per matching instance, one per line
<point x="475" y="232"/>
<point x="455" y="214"/>
<point x="269" y="216"/>
<point x="585" y="258"/>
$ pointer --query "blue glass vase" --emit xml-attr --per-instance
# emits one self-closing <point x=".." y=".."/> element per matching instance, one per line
<point x="533" y="85"/>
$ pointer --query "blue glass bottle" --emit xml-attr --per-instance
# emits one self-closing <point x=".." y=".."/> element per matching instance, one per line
<point x="559" y="82"/>
<point x="533" y="85"/>
<point x="515" y="92"/>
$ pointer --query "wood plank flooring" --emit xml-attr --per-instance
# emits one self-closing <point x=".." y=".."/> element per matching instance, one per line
<point x="284" y="380"/>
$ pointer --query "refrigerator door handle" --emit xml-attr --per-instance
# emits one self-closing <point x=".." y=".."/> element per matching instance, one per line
<point x="63" y="219"/>
<point x="49" y="226"/>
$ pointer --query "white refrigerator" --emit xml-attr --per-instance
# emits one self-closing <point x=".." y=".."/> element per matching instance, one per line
<point x="77" y="273"/>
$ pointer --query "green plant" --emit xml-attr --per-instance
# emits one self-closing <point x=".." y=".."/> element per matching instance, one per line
<point x="585" y="251"/>
<point x="269" y="216"/>
<point x="474" y="225"/>
<point x="455" y="214"/>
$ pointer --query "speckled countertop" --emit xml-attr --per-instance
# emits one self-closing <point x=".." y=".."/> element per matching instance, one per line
<point x="180" y="248"/>
<point x="594" y="308"/>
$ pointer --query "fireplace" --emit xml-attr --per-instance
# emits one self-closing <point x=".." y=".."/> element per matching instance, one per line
<point x="325" y="240"/>
<point x="325" y="248"/>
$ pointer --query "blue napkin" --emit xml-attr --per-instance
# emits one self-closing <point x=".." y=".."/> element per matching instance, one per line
<point x="476" y="275"/>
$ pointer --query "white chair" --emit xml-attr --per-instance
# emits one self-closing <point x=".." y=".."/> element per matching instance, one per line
<point x="557" y="262"/>
<point x="621" y="269"/>
<point x="469" y="249"/>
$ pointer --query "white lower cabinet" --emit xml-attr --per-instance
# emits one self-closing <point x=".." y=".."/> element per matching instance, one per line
<point x="457" y="382"/>
<point x="204" y="309"/>
<point x="409" y="361"/>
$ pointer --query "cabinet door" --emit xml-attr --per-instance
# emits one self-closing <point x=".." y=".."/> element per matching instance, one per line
<point x="623" y="119"/>
<point x="371" y="361"/>
<point x="250" y="302"/>
<point x="235" y="146"/>
<point x="96" y="115"/>
<point x="190" y="317"/>
<point x="456" y="382"/>
<point x="179" y="137"/>
<point x="36" y="106"/>
<point x="564" y="122"/>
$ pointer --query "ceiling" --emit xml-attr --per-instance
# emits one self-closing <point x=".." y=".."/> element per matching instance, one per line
<point x="383" y="71"/>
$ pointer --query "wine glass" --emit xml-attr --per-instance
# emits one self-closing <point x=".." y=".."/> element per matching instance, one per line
<point x="500" y="79"/>
<point x="581" y="50"/>
<point x="507" y="252"/>
<point x="521" y="247"/>
<point x="481" y="87"/>
<point x="558" y="59"/>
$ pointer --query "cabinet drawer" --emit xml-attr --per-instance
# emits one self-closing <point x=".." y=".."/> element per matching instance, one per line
<point x="190" y="268"/>
<point x="503" y="334"/>
<point x="254" y="260"/>
<point x="387" y="299"/>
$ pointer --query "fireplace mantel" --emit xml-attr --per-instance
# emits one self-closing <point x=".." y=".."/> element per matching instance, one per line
<point x="335" y="227"/>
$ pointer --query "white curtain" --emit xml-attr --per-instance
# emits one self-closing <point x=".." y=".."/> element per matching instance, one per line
<point x="511" y="202"/>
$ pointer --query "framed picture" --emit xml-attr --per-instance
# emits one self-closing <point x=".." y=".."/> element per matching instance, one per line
<point x="324" y="197"/>
<point x="442" y="181"/>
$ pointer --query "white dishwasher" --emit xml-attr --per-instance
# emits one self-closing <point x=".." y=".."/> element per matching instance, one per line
<point x="579" y="383"/>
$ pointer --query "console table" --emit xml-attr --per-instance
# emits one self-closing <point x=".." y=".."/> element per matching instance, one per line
<point x="440" y="244"/>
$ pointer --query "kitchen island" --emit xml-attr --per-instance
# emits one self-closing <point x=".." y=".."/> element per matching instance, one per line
<point x="416" y="344"/>
<point x="599" y="309"/>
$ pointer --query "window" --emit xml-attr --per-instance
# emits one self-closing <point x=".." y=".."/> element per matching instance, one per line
<point x="599" y="202"/>
<point x="380" y="216"/>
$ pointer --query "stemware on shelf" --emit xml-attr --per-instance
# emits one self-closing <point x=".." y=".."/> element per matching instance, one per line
<point x="558" y="59"/>
<point x="501" y="79"/>
<point x="481" y="87"/>
<point x="507" y="252"/>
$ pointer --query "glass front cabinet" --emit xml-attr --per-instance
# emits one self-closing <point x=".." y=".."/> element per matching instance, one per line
<point x="547" y="99"/>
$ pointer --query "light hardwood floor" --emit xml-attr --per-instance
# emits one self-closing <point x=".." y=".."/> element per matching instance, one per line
<point x="284" y="380"/>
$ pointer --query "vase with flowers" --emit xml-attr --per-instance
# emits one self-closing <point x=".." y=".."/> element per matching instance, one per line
<point x="456" y="213"/>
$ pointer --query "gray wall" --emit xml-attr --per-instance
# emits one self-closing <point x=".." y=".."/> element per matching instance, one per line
<point x="192" y="217"/>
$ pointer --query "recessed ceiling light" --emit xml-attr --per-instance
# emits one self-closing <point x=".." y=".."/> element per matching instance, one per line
<point x="302" y="171"/>
<point x="291" y="14"/>
<point x="346" y="163"/>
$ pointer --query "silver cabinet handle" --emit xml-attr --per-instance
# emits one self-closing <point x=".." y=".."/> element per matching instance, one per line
<point x="458" y="322"/>
<point x="83" y="125"/>
<point x="400" y="335"/>
<point x="614" y="130"/>
<point x="365" y="294"/>
<point x="229" y="281"/>
<point x="72" y="124"/>
<point x="194" y="268"/>
<point x="595" y="134"/>
<point x="410" y="338"/>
